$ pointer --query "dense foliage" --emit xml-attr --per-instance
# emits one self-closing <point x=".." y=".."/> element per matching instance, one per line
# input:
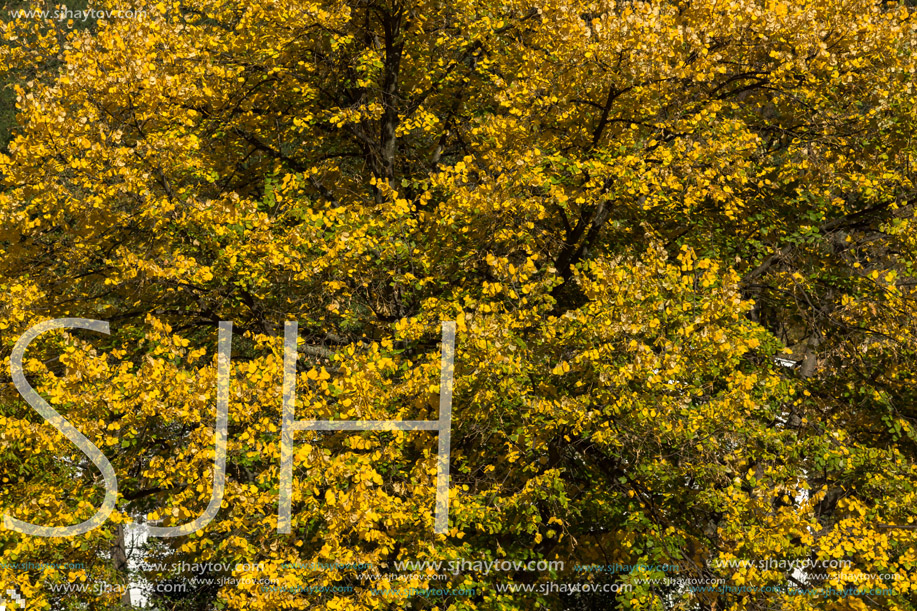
<point x="678" y="239"/>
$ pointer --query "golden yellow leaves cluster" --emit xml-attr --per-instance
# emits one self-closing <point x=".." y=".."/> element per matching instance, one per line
<point x="629" y="208"/>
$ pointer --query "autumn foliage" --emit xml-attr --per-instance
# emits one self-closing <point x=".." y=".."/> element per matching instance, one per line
<point x="678" y="240"/>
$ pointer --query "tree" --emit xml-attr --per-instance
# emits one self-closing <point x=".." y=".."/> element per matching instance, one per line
<point x="629" y="209"/>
